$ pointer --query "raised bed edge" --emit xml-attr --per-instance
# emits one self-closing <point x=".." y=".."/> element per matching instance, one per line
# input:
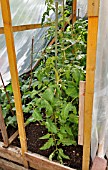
<point x="36" y="161"/>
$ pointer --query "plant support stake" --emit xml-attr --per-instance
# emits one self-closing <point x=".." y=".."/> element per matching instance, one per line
<point x="6" y="94"/>
<point x="56" y="29"/>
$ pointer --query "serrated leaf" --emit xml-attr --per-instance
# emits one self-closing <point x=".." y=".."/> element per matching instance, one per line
<point x="66" y="110"/>
<point x="73" y="118"/>
<point x="62" y="154"/>
<point x="45" y="136"/>
<point x="49" y="109"/>
<point x="29" y="120"/>
<point x="33" y="93"/>
<point x="76" y="75"/>
<point x="11" y="121"/>
<point x="68" y="129"/>
<point x="72" y="91"/>
<point x="48" y="144"/>
<point x="36" y="114"/>
<point x="48" y="95"/>
<point x="68" y="141"/>
<point x="51" y="126"/>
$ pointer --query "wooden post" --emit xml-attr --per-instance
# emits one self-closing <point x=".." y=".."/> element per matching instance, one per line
<point x="81" y="112"/>
<point x="74" y="8"/>
<point x="3" y="129"/>
<point x="5" y="7"/>
<point x="93" y="9"/>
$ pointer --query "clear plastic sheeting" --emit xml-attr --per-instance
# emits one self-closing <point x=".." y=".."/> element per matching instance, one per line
<point x="23" y="12"/>
<point x="82" y="8"/>
<point x="100" y="108"/>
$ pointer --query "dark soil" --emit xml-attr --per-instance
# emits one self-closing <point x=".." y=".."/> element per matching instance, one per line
<point x="34" y="131"/>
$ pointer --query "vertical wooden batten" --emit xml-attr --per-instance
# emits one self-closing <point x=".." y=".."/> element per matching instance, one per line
<point x="6" y="15"/>
<point x="74" y="9"/>
<point x="81" y="112"/>
<point x="93" y="9"/>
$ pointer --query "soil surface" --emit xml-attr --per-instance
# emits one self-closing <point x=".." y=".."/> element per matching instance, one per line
<point x="34" y="131"/>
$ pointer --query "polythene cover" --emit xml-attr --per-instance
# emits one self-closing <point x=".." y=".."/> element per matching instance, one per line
<point x="24" y="12"/>
<point x="100" y="107"/>
<point x="82" y="7"/>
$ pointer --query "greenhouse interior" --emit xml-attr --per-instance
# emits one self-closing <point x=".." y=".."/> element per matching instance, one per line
<point x="53" y="85"/>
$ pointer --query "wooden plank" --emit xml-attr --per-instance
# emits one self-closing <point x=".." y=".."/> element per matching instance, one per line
<point x="3" y="129"/>
<point x="11" y="153"/>
<point x="81" y="111"/>
<point x="6" y="15"/>
<point x="25" y="27"/>
<point x="13" y="137"/>
<point x="36" y="161"/>
<point x="42" y="163"/>
<point x="93" y="7"/>
<point x="74" y="8"/>
<point x="6" y="165"/>
<point x="89" y="92"/>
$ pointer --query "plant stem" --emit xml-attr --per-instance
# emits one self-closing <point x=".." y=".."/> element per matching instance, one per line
<point x="63" y="31"/>
<point x="6" y="94"/>
<point x="32" y="49"/>
<point x="56" y="29"/>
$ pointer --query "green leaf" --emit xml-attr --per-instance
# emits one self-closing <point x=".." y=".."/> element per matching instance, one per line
<point x="29" y="120"/>
<point x="48" y="95"/>
<point x="62" y="154"/>
<point x="76" y="75"/>
<point x="9" y="88"/>
<point x="73" y="118"/>
<point x="72" y="91"/>
<point x="48" y="144"/>
<point x="51" y="156"/>
<point x="68" y="129"/>
<point x="11" y="121"/>
<point x="49" y="109"/>
<point x="51" y="126"/>
<point x="36" y="114"/>
<point x="24" y="88"/>
<point x="68" y="141"/>
<point x="66" y="110"/>
<point x="45" y="136"/>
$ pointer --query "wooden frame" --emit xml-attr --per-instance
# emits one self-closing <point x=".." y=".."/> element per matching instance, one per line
<point x="25" y="27"/>
<point x="36" y="161"/>
<point x="74" y="9"/>
<point x="21" y="156"/>
<point x="81" y="112"/>
<point x="6" y="15"/>
<point x="90" y="74"/>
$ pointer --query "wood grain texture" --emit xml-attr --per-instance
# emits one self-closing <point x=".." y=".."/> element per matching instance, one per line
<point x="93" y="8"/>
<point x="25" y="27"/>
<point x="74" y="10"/>
<point x="89" y="92"/>
<point x="6" y="165"/>
<point x="42" y="163"/>
<point x="11" y="153"/>
<point x="81" y="112"/>
<point x="3" y="129"/>
<point x="6" y="15"/>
